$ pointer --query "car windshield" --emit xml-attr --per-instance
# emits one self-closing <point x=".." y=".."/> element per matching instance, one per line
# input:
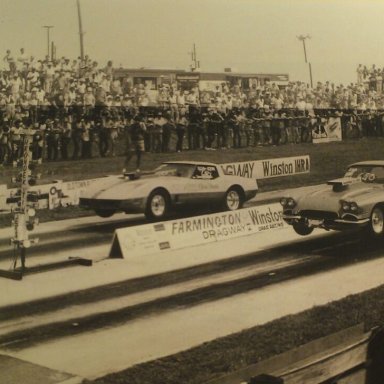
<point x="180" y="170"/>
<point x="367" y="173"/>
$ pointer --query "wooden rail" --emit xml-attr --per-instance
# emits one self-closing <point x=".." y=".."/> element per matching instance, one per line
<point x="342" y="357"/>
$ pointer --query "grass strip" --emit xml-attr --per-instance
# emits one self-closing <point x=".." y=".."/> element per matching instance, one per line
<point x="231" y="353"/>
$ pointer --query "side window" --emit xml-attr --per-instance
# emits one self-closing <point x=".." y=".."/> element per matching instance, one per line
<point x="379" y="173"/>
<point x="205" y="172"/>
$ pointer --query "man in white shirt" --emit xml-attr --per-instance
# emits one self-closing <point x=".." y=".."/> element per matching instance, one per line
<point x="22" y="59"/>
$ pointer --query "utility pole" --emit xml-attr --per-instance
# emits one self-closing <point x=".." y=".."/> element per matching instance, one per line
<point x="302" y="38"/>
<point x="81" y="33"/>
<point x="48" y="27"/>
<point x="195" y="63"/>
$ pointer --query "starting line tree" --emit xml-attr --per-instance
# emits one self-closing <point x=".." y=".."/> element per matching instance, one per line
<point x="24" y="215"/>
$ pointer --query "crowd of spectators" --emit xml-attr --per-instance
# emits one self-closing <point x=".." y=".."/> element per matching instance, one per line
<point x="79" y="109"/>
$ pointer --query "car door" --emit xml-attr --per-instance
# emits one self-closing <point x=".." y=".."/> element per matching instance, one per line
<point x="203" y="186"/>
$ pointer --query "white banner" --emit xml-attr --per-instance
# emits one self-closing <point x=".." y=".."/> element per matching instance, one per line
<point x="264" y="169"/>
<point x="64" y="193"/>
<point x="193" y="231"/>
<point x="56" y="194"/>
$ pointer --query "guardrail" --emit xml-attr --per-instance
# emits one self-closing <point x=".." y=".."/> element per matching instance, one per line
<point x="351" y="356"/>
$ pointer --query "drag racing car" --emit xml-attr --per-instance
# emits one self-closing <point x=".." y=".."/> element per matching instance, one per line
<point x="171" y="186"/>
<point x="355" y="200"/>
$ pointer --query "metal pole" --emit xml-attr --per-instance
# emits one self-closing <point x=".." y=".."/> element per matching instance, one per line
<point x="310" y="74"/>
<point x="81" y="33"/>
<point x="303" y="38"/>
<point x="48" y="27"/>
<point x="305" y="51"/>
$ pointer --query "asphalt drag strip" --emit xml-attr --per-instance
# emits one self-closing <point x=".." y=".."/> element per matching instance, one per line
<point x="134" y="285"/>
<point x="123" y="309"/>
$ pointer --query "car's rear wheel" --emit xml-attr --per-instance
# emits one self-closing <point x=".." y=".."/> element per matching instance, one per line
<point x="376" y="224"/>
<point x="105" y="212"/>
<point x="158" y="205"/>
<point x="302" y="228"/>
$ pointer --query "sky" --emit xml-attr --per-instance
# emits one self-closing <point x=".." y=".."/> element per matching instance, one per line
<point x="249" y="36"/>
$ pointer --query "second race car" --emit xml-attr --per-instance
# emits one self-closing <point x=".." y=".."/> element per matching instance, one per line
<point x="356" y="200"/>
<point x="170" y="186"/>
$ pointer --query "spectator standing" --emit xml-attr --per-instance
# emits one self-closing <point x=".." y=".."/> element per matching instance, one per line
<point x="234" y="125"/>
<point x="89" y="102"/>
<point x="15" y="86"/>
<point x="5" y="149"/>
<point x="77" y="128"/>
<point x="10" y="61"/>
<point x="16" y="141"/>
<point x="109" y="71"/>
<point x="22" y="59"/>
<point x="193" y="128"/>
<point x="157" y="133"/>
<point x="49" y="73"/>
<point x="103" y="136"/>
<point x="65" y="138"/>
<point x="53" y="132"/>
<point x="360" y="74"/>
<point x="136" y="143"/>
<point x="114" y="134"/>
<point x="86" y="139"/>
<point x="168" y="127"/>
<point x="181" y="128"/>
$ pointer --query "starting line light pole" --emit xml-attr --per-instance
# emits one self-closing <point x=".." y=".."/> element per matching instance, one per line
<point x="24" y="215"/>
<point x="24" y="219"/>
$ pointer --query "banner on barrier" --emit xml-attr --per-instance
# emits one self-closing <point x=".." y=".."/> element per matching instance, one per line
<point x="62" y="194"/>
<point x="193" y="231"/>
<point x="264" y="169"/>
<point x="56" y="194"/>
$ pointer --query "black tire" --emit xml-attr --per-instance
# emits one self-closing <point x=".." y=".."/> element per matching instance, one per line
<point x="233" y="199"/>
<point x="376" y="222"/>
<point x="105" y="212"/>
<point x="302" y="228"/>
<point x="158" y="205"/>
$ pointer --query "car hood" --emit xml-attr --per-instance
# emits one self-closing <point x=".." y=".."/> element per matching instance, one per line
<point x="327" y="197"/>
<point x="120" y="187"/>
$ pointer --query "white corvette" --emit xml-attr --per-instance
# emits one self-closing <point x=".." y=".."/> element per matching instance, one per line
<point x="170" y="186"/>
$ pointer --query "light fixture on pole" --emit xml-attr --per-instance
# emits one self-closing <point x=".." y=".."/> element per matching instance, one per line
<point x="302" y="38"/>
<point x="48" y="27"/>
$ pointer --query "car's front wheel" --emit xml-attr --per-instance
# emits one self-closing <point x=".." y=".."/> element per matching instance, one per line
<point x="158" y="205"/>
<point x="302" y="228"/>
<point x="233" y="199"/>
<point x="376" y="223"/>
<point x="104" y="212"/>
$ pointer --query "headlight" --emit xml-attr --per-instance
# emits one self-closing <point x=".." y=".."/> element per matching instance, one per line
<point x="287" y="202"/>
<point x="345" y="206"/>
<point x="349" y="206"/>
<point x="354" y="207"/>
<point x="291" y="203"/>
